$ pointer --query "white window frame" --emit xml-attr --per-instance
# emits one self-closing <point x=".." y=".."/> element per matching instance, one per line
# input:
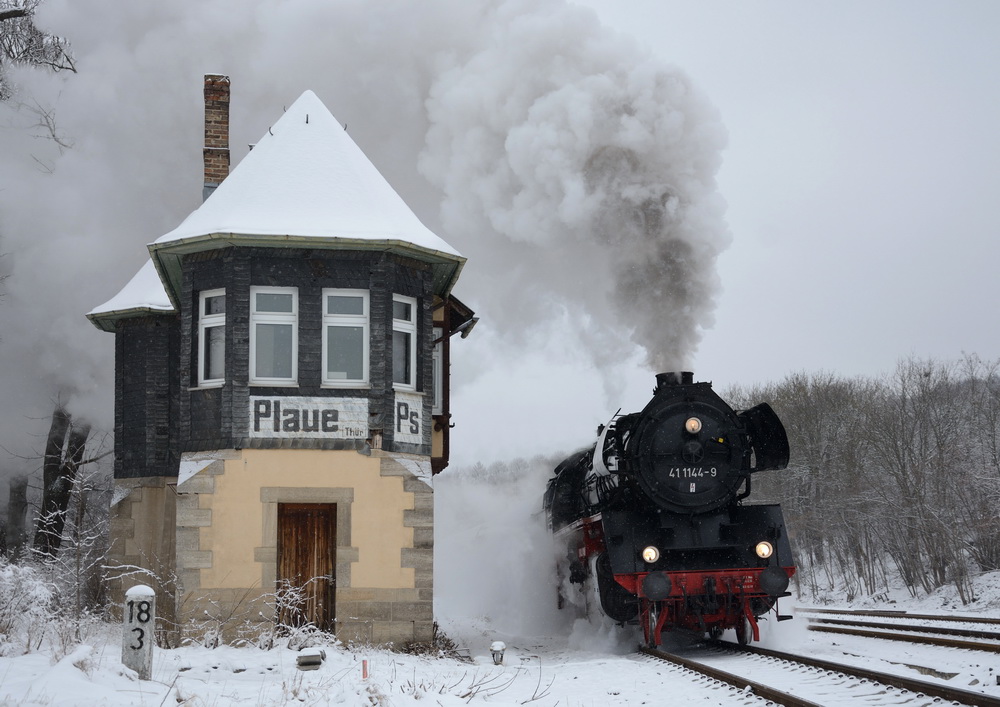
<point x="291" y="318"/>
<point x="205" y="322"/>
<point x="437" y="376"/>
<point x="406" y="327"/>
<point x="353" y="320"/>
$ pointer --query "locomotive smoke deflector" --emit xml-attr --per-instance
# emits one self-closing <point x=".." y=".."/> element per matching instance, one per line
<point x="767" y="438"/>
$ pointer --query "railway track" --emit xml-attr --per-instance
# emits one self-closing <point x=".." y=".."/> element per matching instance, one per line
<point x="905" y="615"/>
<point x="860" y="623"/>
<point x="798" y="681"/>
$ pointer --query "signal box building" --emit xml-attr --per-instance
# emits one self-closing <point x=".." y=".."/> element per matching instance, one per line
<point x="281" y="390"/>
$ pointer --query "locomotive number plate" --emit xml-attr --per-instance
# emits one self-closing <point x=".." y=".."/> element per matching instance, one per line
<point x="691" y="472"/>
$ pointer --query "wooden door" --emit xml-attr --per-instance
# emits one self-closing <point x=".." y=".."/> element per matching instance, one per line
<point x="307" y="542"/>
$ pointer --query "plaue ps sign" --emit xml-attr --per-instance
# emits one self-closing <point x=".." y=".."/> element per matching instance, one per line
<point x="309" y="418"/>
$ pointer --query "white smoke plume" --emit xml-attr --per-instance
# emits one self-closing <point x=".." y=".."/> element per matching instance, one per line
<point x="574" y="170"/>
<point x="589" y="168"/>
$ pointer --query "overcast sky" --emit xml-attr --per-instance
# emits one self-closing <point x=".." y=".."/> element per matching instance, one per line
<point x="860" y="163"/>
<point x="862" y="177"/>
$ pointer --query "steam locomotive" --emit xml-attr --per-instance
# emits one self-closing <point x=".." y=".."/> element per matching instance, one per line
<point x="653" y="518"/>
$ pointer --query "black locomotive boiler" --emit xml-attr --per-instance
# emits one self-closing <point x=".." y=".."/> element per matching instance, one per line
<point x="653" y="515"/>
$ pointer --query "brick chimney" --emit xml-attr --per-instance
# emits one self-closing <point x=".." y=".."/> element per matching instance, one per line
<point x="216" y="131"/>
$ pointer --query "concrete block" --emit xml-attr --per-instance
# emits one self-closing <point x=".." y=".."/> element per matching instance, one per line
<point x="194" y="559"/>
<point x="417" y="558"/>
<point x="422" y="518"/>
<point x="423" y="579"/>
<point x="412" y="611"/>
<point x="423" y="631"/>
<point x="202" y="482"/>
<point x="194" y="517"/>
<point x="265" y="554"/>
<point x="423" y="501"/>
<point x="423" y="538"/>
<point x="294" y="494"/>
<point x="188" y="540"/>
<point x="395" y="632"/>
<point x="373" y="610"/>
<point x="351" y="631"/>
<point x="122" y="528"/>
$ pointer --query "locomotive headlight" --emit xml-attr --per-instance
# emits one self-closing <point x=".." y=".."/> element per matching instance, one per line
<point x="650" y="554"/>
<point x="693" y="425"/>
<point x="764" y="550"/>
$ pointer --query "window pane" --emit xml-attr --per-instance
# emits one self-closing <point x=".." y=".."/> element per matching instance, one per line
<point x="345" y="304"/>
<point x="215" y="353"/>
<point x="345" y="353"/>
<point x="274" y="351"/>
<point x="274" y="302"/>
<point x="401" y="357"/>
<point x="215" y="304"/>
<point x="401" y="310"/>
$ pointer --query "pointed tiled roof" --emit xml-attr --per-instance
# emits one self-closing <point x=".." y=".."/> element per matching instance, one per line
<point x="304" y="184"/>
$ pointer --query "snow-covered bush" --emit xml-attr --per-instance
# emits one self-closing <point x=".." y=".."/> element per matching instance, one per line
<point x="26" y="607"/>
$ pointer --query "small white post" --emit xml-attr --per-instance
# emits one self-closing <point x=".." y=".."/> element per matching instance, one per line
<point x="137" y="637"/>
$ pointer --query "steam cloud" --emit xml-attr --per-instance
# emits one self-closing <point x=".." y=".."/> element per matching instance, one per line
<point x="562" y="138"/>
<point x="574" y="170"/>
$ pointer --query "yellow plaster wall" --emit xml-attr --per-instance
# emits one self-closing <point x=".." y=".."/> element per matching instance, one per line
<point x="237" y="526"/>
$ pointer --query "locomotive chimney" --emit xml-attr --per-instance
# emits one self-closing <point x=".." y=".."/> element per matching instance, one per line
<point x="216" y="153"/>
<point x="674" y="378"/>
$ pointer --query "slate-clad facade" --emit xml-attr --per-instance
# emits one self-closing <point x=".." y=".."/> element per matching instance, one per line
<point x="217" y="417"/>
<point x="233" y="485"/>
<point x="146" y="397"/>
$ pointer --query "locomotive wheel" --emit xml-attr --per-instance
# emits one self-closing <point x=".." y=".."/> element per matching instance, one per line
<point x="743" y="634"/>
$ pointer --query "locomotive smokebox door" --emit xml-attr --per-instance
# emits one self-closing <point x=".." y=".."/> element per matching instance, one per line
<point x="767" y="438"/>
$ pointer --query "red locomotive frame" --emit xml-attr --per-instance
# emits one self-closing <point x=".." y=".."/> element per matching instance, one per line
<point x="737" y="593"/>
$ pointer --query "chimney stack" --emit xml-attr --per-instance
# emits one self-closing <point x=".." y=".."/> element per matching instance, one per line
<point x="216" y="131"/>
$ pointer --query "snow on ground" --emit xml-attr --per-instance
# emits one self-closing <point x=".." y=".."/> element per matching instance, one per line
<point x="584" y="666"/>
<point x="493" y="582"/>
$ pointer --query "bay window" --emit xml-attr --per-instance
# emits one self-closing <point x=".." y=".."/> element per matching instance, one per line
<point x="212" y="337"/>
<point x="404" y="342"/>
<point x="345" y="337"/>
<point x="274" y="314"/>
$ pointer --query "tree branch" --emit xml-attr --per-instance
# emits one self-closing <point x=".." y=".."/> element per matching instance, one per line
<point x="12" y="14"/>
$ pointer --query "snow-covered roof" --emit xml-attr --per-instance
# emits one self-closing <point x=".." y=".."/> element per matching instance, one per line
<point x="144" y="294"/>
<point x="306" y="184"/>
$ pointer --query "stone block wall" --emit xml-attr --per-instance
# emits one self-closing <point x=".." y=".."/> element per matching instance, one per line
<point x="142" y="547"/>
<point x="398" y="615"/>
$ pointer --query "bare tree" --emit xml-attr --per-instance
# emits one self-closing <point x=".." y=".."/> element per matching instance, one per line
<point x="79" y="566"/>
<point x="23" y="43"/>
<point x="17" y="513"/>
<point x="898" y="473"/>
<point x="64" y="450"/>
